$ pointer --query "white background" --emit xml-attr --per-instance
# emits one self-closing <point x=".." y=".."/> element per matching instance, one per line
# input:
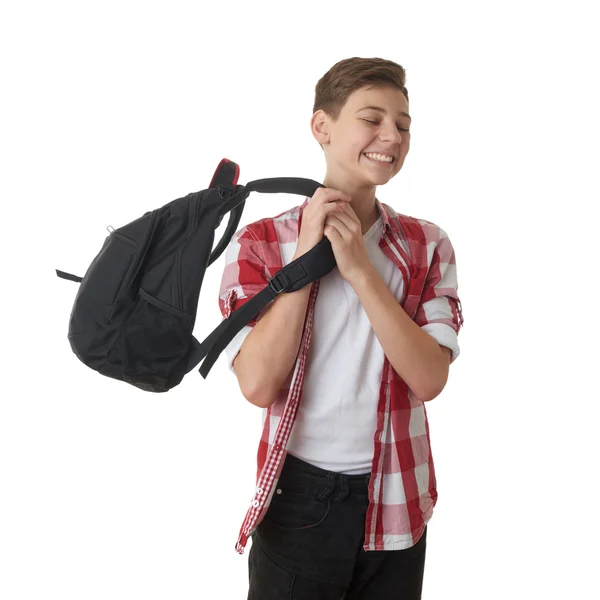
<point x="112" y="109"/>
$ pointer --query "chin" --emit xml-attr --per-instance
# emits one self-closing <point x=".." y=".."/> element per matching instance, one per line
<point x="376" y="178"/>
<point x="381" y="179"/>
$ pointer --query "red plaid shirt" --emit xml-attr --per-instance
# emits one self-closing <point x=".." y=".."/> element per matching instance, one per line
<point x="402" y="488"/>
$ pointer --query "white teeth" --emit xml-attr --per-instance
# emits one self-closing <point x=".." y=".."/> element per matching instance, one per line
<point x="379" y="157"/>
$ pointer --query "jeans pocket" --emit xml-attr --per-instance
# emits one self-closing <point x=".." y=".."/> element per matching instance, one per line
<point x="293" y="511"/>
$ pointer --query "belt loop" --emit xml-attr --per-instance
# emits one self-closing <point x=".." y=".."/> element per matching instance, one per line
<point x="345" y="488"/>
<point x="329" y="488"/>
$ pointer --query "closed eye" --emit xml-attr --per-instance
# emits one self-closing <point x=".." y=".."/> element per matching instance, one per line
<point x="377" y="123"/>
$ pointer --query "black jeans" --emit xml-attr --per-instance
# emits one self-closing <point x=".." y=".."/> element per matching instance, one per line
<point x="309" y="544"/>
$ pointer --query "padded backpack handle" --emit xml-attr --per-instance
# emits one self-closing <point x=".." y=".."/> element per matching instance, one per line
<point x="285" y="185"/>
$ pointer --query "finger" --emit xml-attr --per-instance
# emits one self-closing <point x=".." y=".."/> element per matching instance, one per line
<point x="343" y="229"/>
<point x="335" y="204"/>
<point x="350" y="212"/>
<point x="325" y="195"/>
<point x="346" y="221"/>
<point x="332" y="234"/>
<point x="332" y="208"/>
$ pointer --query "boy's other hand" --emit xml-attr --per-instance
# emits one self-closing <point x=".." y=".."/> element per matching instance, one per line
<point x="344" y="230"/>
<point x="325" y="202"/>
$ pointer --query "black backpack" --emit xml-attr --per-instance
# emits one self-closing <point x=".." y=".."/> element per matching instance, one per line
<point x="135" y="310"/>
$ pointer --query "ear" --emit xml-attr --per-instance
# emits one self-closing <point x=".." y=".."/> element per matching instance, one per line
<point x="320" y="127"/>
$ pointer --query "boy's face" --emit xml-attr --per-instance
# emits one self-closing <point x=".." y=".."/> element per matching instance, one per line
<point x="361" y="130"/>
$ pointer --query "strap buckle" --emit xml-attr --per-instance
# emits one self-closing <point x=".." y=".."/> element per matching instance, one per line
<point x="280" y="283"/>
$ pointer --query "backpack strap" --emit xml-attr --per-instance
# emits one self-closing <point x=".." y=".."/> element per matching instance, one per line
<point x="272" y="185"/>
<point x="313" y="265"/>
<point x="69" y="276"/>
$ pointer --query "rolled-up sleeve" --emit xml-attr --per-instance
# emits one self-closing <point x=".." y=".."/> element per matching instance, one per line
<point x="440" y="310"/>
<point x="245" y="275"/>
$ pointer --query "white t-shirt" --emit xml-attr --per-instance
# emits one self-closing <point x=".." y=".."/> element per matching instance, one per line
<point x="336" y="423"/>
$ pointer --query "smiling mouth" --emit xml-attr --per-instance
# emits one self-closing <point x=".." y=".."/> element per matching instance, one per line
<point x="381" y="162"/>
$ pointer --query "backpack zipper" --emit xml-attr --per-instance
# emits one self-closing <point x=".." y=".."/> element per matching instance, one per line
<point x="178" y="282"/>
<point x="142" y="251"/>
<point x="178" y="291"/>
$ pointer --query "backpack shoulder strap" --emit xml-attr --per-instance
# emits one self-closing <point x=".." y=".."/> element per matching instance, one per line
<point x="313" y="265"/>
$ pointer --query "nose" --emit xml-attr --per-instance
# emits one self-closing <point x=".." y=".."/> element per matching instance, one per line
<point x="390" y="133"/>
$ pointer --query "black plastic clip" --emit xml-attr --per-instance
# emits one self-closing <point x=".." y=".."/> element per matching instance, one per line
<point x="280" y="283"/>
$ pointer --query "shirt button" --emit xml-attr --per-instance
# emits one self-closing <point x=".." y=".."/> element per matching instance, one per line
<point x="256" y="504"/>
<point x="277" y="447"/>
<point x="279" y="490"/>
<point x="260" y="491"/>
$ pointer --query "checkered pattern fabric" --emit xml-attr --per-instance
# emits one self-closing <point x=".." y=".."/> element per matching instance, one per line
<point x="402" y="489"/>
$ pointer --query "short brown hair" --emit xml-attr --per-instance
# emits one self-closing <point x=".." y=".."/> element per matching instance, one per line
<point x="351" y="74"/>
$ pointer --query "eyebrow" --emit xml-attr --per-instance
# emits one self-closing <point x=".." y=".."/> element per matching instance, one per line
<point x="382" y="110"/>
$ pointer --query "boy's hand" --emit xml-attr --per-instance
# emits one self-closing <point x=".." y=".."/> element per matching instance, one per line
<point x="344" y="230"/>
<point x="324" y="202"/>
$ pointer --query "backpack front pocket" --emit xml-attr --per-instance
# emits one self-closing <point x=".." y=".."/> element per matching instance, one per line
<point x="155" y="339"/>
